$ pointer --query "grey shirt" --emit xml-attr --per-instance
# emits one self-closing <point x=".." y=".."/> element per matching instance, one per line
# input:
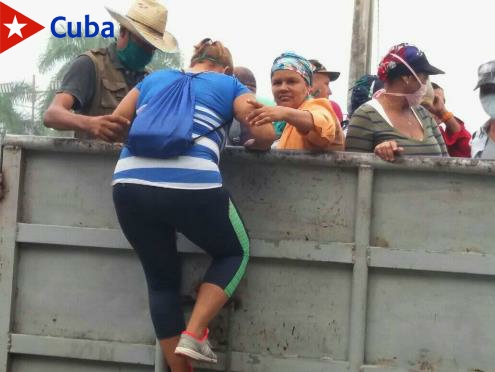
<point x="80" y="79"/>
<point x="238" y="134"/>
<point x="489" y="151"/>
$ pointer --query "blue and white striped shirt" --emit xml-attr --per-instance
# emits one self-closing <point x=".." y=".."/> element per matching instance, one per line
<point x="197" y="168"/>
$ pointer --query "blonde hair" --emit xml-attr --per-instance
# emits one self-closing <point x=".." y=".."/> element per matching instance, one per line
<point x="213" y="51"/>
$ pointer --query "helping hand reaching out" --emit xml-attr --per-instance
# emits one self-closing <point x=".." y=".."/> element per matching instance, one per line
<point x="110" y="128"/>
<point x="265" y="114"/>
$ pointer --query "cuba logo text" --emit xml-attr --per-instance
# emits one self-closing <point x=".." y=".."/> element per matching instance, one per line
<point x="90" y="29"/>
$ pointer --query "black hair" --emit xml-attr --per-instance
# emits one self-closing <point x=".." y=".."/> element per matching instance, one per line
<point x="363" y="91"/>
<point x="397" y="72"/>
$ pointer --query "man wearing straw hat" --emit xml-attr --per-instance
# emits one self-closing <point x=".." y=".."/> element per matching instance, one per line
<point x="98" y="79"/>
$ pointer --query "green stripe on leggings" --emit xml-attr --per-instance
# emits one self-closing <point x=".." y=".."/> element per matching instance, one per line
<point x="241" y="233"/>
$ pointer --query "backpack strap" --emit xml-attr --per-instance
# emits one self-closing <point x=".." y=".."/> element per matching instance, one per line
<point x="211" y="131"/>
<point x="193" y="75"/>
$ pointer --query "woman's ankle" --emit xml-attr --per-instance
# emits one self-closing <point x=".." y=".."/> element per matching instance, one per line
<point x="199" y="333"/>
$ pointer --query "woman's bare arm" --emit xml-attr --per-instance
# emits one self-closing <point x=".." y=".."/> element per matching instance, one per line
<point x="263" y="134"/>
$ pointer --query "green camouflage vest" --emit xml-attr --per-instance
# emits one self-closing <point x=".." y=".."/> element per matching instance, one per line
<point x="111" y="86"/>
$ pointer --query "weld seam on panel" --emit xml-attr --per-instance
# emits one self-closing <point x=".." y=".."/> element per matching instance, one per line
<point x="453" y="262"/>
<point x="104" y="351"/>
<point x="333" y="252"/>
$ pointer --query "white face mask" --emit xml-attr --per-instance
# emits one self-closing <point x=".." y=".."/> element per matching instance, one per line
<point x="488" y="103"/>
<point x="413" y="99"/>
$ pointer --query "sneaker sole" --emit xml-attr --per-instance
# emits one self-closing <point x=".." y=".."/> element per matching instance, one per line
<point x="193" y="355"/>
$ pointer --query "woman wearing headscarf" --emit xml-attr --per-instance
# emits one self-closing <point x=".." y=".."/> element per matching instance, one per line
<point x="157" y="197"/>
<point x="311" y="123"/>
<point x="393" y="122"/>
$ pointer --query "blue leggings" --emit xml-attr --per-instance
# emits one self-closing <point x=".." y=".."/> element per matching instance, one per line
<point x="150" y="217"/>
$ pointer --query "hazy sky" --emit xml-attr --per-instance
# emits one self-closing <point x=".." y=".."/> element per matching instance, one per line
<point x="456" y="38"/>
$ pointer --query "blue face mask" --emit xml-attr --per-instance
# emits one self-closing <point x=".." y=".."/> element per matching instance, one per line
<point x="133" y="56"/>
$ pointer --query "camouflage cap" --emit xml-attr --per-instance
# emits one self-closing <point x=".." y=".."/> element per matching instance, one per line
<point x="486" y="74"/>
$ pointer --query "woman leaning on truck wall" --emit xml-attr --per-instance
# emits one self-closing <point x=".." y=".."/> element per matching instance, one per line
<point x="393" y="122"/>
<point x="311" y="123"/>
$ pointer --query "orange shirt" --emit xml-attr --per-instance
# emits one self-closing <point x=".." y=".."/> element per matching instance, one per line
<point x="327" y="134"/>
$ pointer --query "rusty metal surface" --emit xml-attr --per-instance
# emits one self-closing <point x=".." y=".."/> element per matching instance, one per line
<point x="422" y="321"/>
<point x="340" y="159"/>
<point x="393" y="271"/>
<point x="43" y="364"/>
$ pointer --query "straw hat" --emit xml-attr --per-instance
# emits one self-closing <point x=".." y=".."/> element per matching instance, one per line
<point x="148" y="19"/>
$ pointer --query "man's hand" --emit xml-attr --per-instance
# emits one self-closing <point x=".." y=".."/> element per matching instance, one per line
<point x="438" y="110"/>
<point x="438" y="107"/>
<point x="388" y="150"/>
<point x="109" y="128"/>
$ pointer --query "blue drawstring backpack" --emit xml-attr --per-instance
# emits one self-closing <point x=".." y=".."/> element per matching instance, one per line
<point x="163" y="128"/>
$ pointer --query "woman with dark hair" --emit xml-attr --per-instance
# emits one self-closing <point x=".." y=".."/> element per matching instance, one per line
<point x="394" y="122"/>
<point x="157" y="197"/>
